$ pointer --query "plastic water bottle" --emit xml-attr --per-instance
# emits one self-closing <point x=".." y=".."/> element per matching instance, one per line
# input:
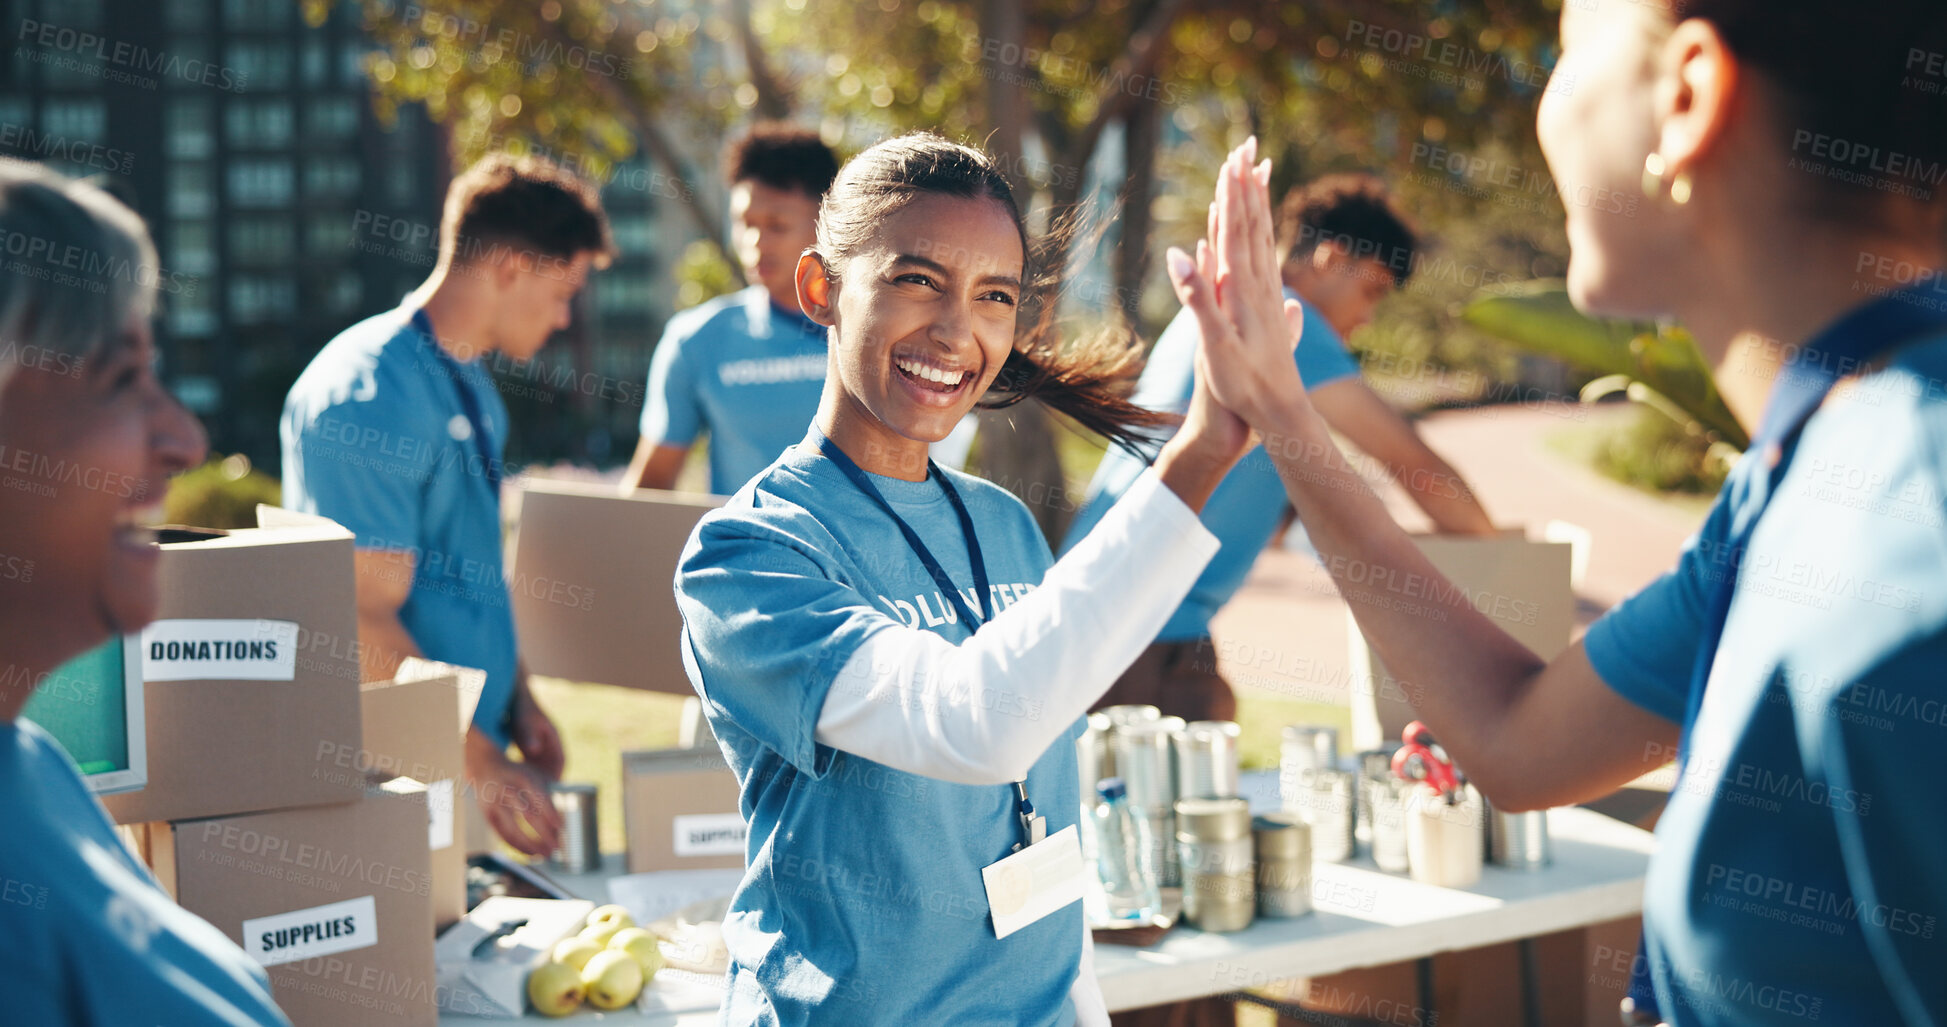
<point x="1121" y="838"/>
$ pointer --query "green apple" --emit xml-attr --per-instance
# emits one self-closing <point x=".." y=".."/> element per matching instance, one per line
<point x="641" y="945"/>
<point x="611" y="914"/>
<point x="555" y="989"/>
<point x="600" y="934"/>
<point x="575" y="951"/>
<point x="612" y="979"/>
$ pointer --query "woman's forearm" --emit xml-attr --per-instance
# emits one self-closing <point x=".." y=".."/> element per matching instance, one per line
<point x="1426" y="630"/>
<point x="983" y="711"/>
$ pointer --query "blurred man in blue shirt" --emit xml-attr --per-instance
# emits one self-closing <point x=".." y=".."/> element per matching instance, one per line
<point x="396" y="431"/>
<point x="747" y="368"/>
<point x="1346" y="247"/>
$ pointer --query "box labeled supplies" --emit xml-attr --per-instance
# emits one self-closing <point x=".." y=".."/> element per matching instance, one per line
<point x="334" y="901"/>
<point x="590" y="578"/>
<point x="1522" y="586"/>
<point x="251" y="674"/>
<point x="679" y="808"/>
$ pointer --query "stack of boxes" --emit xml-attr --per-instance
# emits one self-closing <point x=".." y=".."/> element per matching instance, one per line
<point x="310" y="820"/>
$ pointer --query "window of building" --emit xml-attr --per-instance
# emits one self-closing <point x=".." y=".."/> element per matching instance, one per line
<point x="313" y="62"/>
<point x="256" y="299"/>
<point x="258" y="124"/>
<point x="260" y="65"/>
<point x="192" y="189"/>
<point x="328" y="235"/>
<point x="190" y="313"/>
<point x="187" y="128"/>
<point x="76" y="119"/>
<point x="343" y="293"/>
<point x="257" y="14"/>
<point x="260" y="241"/>
<point x="330" y="176"/>
<point x="331" y="118"/>
<point x="186" y="15"/>
<point x="191" y="248"/>
<point x="261" y="182"/>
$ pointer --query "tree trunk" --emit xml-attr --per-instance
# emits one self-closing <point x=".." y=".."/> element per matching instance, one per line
<point x="1017" y="445"/>
<point x="1139" y="139"/>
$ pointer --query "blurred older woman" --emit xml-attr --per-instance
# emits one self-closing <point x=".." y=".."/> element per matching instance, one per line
<point x="88" y="438"/>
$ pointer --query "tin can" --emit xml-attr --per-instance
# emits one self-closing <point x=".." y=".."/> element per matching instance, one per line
<point x="1325" y="800"/>
<point x="1383" y="804"/>
<point x="580" y="851"/>
<point x="1370" y="765"/>
<point x="1130" y="714"/>
<point x="1517" y="840"/>
<point x="1284" y="865"/>
<point x="1206" y="760"/>
<point x="1144" y="759"/>
<point x="1309" y="747"/>
<point x="1214" y="836"/>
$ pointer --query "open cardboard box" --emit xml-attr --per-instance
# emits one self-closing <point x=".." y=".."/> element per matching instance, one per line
<point x="591" y="578"/>
<point x="413" y="729"/>
<point x="250" y="673"/>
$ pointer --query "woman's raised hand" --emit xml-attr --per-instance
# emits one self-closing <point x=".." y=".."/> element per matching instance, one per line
<point x="1234" y="290"/>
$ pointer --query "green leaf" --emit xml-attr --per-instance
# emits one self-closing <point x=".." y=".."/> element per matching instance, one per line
<point x="1538" y="317"/>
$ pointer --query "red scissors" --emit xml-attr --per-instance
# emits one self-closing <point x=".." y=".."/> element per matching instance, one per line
<point x="1422" y="759"/>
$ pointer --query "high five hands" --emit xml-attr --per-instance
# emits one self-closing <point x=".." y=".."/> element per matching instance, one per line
<point x="1234" y="289"/>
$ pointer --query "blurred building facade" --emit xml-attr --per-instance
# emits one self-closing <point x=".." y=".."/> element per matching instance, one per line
<point x="284" y="210"/>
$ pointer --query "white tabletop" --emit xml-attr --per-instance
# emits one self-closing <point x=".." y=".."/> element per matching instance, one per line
<point x="1362" y="917"/>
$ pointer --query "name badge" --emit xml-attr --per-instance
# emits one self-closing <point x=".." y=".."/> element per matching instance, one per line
<point x="1034" y="882"/>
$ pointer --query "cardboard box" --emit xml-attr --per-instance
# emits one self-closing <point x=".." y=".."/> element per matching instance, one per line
<point x="679" y="809"/>
<point x="1523" y="586"/>
<point x="334" y="901"/>
<point x="250" y="671"/>
<point x="413" y="730"/>
<point x="591" y="577"/>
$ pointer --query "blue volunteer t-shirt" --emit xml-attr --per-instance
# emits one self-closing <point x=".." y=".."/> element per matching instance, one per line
<point x="745" y="370"/>
<point x="862" y="901"/>
<point x="1244" y="511"/>
<point x="378" y="437"/>
<point x="1797" y="876"/>
<point x="86" y="937"/>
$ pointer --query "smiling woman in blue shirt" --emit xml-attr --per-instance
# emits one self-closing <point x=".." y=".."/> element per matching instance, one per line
<point x="87" y="939"/>
<point x="1790" y="155"/>
<point x="889" y="657"/>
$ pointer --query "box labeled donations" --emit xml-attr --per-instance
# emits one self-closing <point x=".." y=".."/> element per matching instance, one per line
<point x="250" y="671"/>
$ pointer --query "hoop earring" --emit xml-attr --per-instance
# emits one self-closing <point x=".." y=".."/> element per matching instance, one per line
<point x="1655" y="168"/>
